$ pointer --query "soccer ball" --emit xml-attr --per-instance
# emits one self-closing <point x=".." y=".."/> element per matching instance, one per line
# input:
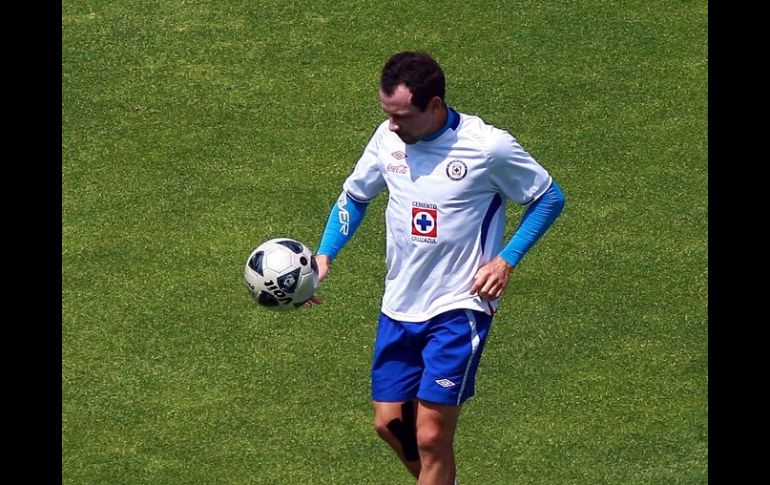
<point x="281" y="274"/>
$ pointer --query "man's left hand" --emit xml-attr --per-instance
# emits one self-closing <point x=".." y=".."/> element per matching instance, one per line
<point x="491" y="279"/>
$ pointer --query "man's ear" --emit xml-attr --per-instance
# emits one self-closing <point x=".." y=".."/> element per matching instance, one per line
<point x="435" y="103"/>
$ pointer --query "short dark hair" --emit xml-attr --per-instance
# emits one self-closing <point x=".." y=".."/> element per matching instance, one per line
<point x="419" y="72"/>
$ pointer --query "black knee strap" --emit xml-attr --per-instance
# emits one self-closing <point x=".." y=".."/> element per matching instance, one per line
<point x="405" y="430"/>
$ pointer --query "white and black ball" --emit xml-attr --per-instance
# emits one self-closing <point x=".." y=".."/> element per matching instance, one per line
<point x="281" y="274"/>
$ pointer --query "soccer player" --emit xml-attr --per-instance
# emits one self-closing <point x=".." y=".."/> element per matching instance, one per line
<point x="448" y="176"/>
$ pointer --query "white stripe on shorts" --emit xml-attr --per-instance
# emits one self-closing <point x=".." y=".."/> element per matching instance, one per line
<point x="474" y="348"/>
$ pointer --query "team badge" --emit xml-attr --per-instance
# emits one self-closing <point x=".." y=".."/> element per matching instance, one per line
<point x="424" y="222"/>
<point x="456" y="170"/>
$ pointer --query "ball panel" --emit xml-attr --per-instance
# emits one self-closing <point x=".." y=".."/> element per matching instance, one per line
<point x="266" y="299"/>
<point x="278" y="259"/>
<point x="255" y="262"/>
<point x="295" y="246"/>
<point x="288" y="282"/>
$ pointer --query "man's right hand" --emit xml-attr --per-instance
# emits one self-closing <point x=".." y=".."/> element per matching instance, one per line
<point x="322" y="262"/>
<point x="323" y="266"/>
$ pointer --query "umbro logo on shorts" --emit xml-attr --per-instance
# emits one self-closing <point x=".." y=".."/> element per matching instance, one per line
<point x="445" y="383"/>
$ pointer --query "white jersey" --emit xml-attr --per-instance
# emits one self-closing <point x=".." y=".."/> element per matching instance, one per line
<point x="446" y="210"/>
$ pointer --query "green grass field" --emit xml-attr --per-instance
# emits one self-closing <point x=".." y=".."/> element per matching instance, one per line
<point x="192" y="131"/>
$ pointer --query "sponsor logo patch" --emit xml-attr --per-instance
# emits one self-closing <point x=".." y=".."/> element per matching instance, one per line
<point x="445" y="383"/>
<point x="424" y="222"/>
<point x="396" y="168"/>
<point x="399" y="155"/>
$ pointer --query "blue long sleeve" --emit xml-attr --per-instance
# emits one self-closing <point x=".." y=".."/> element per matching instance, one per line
<point x="345" y="217"/>
<point x="536" y="220"/>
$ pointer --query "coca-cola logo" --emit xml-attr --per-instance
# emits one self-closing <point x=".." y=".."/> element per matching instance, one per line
<point x="402" y="169"/>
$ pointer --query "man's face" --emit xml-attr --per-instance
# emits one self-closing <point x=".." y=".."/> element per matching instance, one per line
<point x="406" y="120"/>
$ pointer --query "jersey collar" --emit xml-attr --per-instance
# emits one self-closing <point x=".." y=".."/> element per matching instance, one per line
<point x="452" y="121"/>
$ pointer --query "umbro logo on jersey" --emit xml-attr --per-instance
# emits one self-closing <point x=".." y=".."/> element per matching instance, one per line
<point x="399" y="155"/>
<point x="445" y="383"/>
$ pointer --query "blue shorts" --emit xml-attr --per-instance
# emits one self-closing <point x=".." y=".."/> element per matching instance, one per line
<point x="434" y="361"/>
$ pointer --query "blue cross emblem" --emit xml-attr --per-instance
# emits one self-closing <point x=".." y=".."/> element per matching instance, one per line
<point x="423" y="222"/>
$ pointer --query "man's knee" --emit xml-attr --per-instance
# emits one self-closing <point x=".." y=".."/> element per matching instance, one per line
<point x="431" y="439"/>
<point x="381" y="427"/>
<point x="436" y="428"/>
